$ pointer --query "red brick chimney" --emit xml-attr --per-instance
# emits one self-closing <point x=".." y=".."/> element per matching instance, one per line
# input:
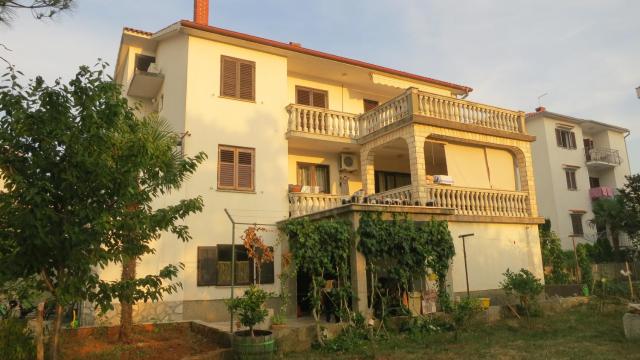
<point x="201" y="12"/>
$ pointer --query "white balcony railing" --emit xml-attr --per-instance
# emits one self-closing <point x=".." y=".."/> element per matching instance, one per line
<point x="302" y="203"/>
<point x="308" y="119"/>
<point x="401" y="194"/>
<point x="469" y="201"/>
<point x="313" y="120"/>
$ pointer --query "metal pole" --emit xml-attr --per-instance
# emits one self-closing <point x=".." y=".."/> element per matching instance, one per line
<point x="233" y="266"/>
<point x="464" y="252"/>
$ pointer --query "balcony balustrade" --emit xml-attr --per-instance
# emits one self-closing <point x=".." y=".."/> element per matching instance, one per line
<point x="312" y="120"/>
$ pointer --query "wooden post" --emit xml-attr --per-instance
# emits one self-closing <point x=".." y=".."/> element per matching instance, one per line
<point x="632" y="296"/>
<point x="575" y="253"/>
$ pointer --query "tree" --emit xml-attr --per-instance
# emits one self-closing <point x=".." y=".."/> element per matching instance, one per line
<point x="69" y="156"/>
<point x="608" y="214"/>
<point x="630" y="197"/>
<point x="39" y="8"/>
<point x="152" y="168"/>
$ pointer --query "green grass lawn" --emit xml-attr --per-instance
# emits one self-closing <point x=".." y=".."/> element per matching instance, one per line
<point x="580" y="333"/>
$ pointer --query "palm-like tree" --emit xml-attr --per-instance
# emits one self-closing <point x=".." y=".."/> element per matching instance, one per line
<point x="609" y="214"/>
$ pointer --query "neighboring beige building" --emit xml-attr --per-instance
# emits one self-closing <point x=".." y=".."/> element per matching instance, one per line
<point x="575" y="162"/>
<point x="292" y="131"/>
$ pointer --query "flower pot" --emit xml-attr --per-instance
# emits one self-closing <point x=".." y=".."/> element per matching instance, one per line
<point x="295" y="188"/>
<point x="261" y="346"/>
<point x="278" y="326"/>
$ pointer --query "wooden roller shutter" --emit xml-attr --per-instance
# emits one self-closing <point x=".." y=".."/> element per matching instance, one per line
<point x="319" y="99"/>
<point x="245" y="169"/>
<point x="238" y="78"/>
<point x="370" y="104"/>
<point x="207" y="267"/>
<point x="229" y="82"/>
<point x="247" y="81"/>
<point x="226" y="167"/>
<point x="311" y="97"/>
<point x="303" y="96"/>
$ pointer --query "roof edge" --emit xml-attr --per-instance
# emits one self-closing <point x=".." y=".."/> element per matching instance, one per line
<point x="311" y="52"/>
<point x="574" y="120"/>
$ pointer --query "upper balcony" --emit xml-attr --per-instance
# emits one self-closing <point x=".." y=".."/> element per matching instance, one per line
<point x="602" y="158"/>
<point x="411" y="105"/>
<point x="147" y="80"/>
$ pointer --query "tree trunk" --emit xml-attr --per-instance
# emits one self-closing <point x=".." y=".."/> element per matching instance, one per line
<point x="126" y="307"/>
<point x="316" y="310"/>
<point x="40" y="332"/>
<point x="613" y="240"/>
<point x="57" y="328"/>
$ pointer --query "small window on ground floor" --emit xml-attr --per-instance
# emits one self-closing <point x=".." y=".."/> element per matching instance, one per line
<point x="214" y="266"/>
<point x="576" y="223"/>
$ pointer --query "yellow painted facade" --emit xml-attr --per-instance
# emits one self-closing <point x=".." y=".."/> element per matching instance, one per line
<point x="493" y="184"/>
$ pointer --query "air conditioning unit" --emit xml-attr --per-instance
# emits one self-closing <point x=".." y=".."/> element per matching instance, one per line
<point x="348" y="162"/>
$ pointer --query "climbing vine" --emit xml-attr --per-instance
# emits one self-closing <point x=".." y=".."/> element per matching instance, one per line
<point x="322" y="250"/>
<point x="405" y="250"/>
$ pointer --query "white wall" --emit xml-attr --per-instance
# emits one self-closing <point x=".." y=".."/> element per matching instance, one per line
<point x="492" y="250"/>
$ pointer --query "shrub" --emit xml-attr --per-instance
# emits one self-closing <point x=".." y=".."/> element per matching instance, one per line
<point x="463" y="312"/>
<point x="16" y="340"/>
<point x="250" y="307"/>
<point x="525" y="286"/>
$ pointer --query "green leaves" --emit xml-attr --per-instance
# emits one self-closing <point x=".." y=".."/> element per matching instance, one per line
<point x="250" y="306"/>
<point x="406" y="249"/>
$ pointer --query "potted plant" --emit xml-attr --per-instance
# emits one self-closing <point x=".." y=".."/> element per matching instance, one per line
<point x="251" y="344"/>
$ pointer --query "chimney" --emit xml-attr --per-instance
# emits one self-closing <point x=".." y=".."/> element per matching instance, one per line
<point x="541" y="109"/>
<point x="201" y="12"/>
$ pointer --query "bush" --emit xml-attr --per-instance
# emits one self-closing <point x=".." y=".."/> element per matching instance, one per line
<point x="553" y="256"/>
<point x="525" y="286"/>
<point x="426" y="324"/>
<point x="16" y="340"/>
<point x="250" y="307"/>
<point x="463" y="312"/>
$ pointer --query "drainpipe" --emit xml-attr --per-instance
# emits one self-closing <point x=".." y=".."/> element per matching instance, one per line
<point x="626" y="149"/>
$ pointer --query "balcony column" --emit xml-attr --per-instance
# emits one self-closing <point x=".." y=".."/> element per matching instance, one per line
<point x="417" y="165"/>
<point x="367" y="167"/>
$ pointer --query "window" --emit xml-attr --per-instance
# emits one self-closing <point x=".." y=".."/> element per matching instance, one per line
<point x="236" y="168"/>
<point x="576" y="223"/>
<point x="314" y="175"/>
<point x="311" y="97"/>
<point x="370" y="104"/>
<point x="238" y="78"/>
<point x="214" y="266"/>
<point x="566" y="138"/>
<point x="435" y="158"/>
<point x="570" y="174"/>
<point x="594" y="182"/>
<point x="386" y="180"/>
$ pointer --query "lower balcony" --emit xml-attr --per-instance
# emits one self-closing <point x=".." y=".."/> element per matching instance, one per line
<point x="600" y="192"/>
<point x="465" y="201"/>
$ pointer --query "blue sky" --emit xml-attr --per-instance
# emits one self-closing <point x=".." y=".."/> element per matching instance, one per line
<point x="584" y="53"/>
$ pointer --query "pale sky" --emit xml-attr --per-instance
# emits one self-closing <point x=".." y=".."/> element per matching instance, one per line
<point x="584" y="53"/>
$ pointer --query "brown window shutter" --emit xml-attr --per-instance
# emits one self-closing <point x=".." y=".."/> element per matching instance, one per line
<point x="226" y="168"/>
<point x="229" y="77"/>
<point x="303" y="96"/>
<point x="559" y="137"/>
<point x="245" y="169"/>
<point x="370" y="105"/>
<point x="267" y="274"/>
<point x="247" y="81"/>
<point x="319" y="99"/>
<point x="573" y="140"/>
<point x="207" y="267"/>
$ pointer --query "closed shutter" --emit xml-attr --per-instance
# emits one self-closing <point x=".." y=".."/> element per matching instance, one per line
<point x="226" y="168"/>
<point x="319" y="99"/>
<point x="435" y="159"/>
<point x="303" y="96"/>
<point x="229" y="77"/>
<point x="559" y="137"/>
<point x="370" y="105"/>
<point x="267" y="275"/>
<point x="237" y="78"/>
<point x="247" y="80"/>
<point x="572" y="136"/>
<point x="207" y="267"/>
<point x="245" y="169"/>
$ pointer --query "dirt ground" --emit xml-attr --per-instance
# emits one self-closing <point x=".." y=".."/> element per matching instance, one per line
<point x="158" y="342"/>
